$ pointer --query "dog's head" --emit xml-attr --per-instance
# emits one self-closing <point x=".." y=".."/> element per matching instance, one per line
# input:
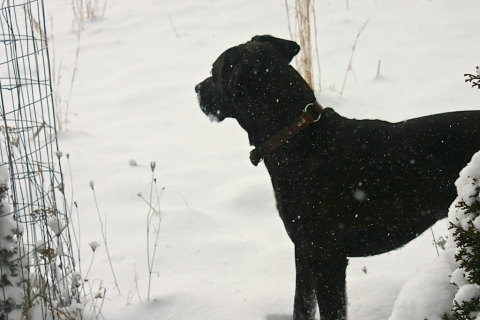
<point x="254" y="81"/>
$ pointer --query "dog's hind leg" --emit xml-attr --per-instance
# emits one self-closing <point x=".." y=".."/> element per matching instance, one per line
<point x="305" y="299"/>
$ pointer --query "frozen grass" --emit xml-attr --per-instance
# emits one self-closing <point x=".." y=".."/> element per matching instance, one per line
<point x="83" y="10"/>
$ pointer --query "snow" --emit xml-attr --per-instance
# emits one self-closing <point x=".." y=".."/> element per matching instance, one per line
<point x="467" y="185"/>
<point x="56" y="224"/>
<point x="429" y="294"/>
<point x="458" y="277"/>
<point x="223" y="252"/>
<point x="4" y="176"/>
<point x="467" y="292"/>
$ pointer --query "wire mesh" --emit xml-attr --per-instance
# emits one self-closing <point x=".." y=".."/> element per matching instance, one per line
<point x="35" y="254"/>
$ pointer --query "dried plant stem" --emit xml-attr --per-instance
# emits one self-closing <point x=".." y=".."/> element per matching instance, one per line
<point x="76" y="237"/>
<point x="82" y="10"/>
<point x="35" y="24"/>
<point x="302" y="17"/>
<point x="90" y="266"/>
<point x="72" y="80"/>
<point x="378" y="68"/>
<point x="62" y="105"/>
<point x="173" y="26"/>
<point x="73" y="203"/>
<point x="316" y="51"/>
<point x="94" y="296"/>
<point x="153" y="210"/>
<point x="288" y="20"/>
<point x="157" y="234"/>
<point x="435" y="242"/>
<point x="104" y="236"/>
<point x="304" y="10"/>
<point x="39" y="129"/>
<point x="86" y="10"/>
<point x="349" y="67"/>
<point x="134" y="288"/>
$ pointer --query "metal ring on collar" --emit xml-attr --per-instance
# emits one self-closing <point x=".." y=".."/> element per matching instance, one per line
<point x="306" y="110"/>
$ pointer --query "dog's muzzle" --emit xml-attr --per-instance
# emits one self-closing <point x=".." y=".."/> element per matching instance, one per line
<point x="211" y="102"/>
<point x="197" y="88"/>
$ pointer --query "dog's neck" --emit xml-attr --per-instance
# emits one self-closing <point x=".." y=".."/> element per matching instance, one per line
<point x="312" y="113"/>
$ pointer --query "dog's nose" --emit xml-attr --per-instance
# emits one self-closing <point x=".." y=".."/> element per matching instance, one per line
<point x="197" y="87"/>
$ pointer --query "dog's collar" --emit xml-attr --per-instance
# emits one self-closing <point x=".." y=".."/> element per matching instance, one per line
<point x="302" y="122"/>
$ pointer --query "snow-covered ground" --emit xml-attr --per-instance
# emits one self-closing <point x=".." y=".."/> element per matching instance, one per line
<point x="430" y="293"/>
<point x="223" y="252"/>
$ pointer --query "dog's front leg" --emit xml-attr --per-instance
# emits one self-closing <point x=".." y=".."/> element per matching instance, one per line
<point x="305" y="300"/>
<point x="329" y="276"/>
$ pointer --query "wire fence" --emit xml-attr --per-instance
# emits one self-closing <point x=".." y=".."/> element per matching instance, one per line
<point x="37" y="268"/>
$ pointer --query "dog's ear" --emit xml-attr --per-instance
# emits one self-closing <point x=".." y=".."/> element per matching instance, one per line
<point x="287" y="49"/>
<point x="222" y="67"/>
<point x="227" y="70"/>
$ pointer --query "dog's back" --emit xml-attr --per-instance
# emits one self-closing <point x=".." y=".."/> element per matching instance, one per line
<point x="376" y="177"/>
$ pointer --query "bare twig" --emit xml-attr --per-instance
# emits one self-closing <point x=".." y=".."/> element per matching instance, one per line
<point x="433" y="235"/>
<point x="474" y="80"/>
<point x="378" y="67"/>
<point x="134" y="288"/>
<point x="173" y="26"/>
<point x="35" y="134"/>
<point x="316" y="51"/>
<point x="104" y="236"/>
<point x="90" y="266"/>
<point x="349" y="67"/>
<point x="154" y="209"/>
<point x="288" y="20"/>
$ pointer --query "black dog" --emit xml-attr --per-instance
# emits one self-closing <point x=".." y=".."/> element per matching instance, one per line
<point x="344" y="188"/>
